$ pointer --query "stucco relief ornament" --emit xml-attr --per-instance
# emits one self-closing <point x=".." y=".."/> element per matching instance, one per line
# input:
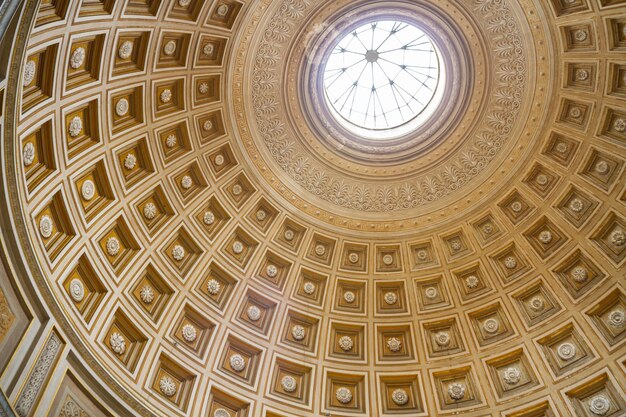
<point x="76" y="126"/>
<point x="208" y="49"/>
<point x="220" y="412"/>
<point x="576" y="205"/>
<point x="222" y="10"/>
<point x="208" y="218"/>
<point x="456" y="245"/>
<point x="121" y="107"/>
<point x="130" y="161"/>
<point x="213" y="286"/>
<point x="599" y="405"/>
<point x="113" y="246"/>
<point x="186" y="182"/>
<point x="254" y="313"/>
<point x="471" y="282"/>
<point x="308" y="288"/>
<point x="388" y="259"/>
<point x="542" y="179"/>
<point x="171" y="141"/>
<point x="566" y="351"/>
<point x="46" y="226"/>
<point x="491" y="325"/>
<point x="488" y="228"/>
<point x="400" y="397"/>
<point x="271" y="271"/>
<point x="394" y="344"/>
<point x="349" y="297"/>
<point x="620" y="125"/>
<point x="207" y="125"/>
<point x="88" y="190"/>
<point x="167" y="386"/>
<point x="149" y="211"/>
<point x="189" y="332"/>
<point x="390" y="298"/>
<point x="582" y="74"/>
<point x="237" y="189"/>
<point x="78" y="58"/>
<point x="579" y="274"/>
<point x="204" y="88"/>
<point x="166" y="95"/>
<point x="516" y="206"/>
<point x="170" y="48"/>
<point x="219" y="160"/>
<point x="512" y="375"/>
<point x="118" y="344"/>
<point x="422" y="254"/>
<point x="184" y="3"/>
<point x="456" y="391"/>
<point x="431" y="293"/>
<point x="320" y="250"/>
<point x="345" y="343"/>
<point x="298" y="332"/>
<point x="125" y="50"/>
<point x="261" y="215"/>
<point x="238" y="247"/>
<point x="510" y="263"/>
<point x="618" y="238"/>
<point x="581" y="35"/>
<point x="29" y="73"/>
<point x="237" y="362"/>
<point x="537" y="304"/>
<point x="602" y="167"/>
<point x="77" y="290"/>
<point x="442" y="339"/>
<point x="146" y="294"/>
<point x="288" y="383"/>
<point x="289" y="235"/>
<point x="575" y="112"/>
<point x="353" y="257"/>
<point x="617" y="318"/>
<point x="561" y="147"/>
<point x="343" y="395"/>
<point x="178" y="253"/>
<point x="28" y="154"/>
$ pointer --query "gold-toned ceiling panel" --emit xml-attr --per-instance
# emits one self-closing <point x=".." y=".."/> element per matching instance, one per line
<point x="187" y="263"/>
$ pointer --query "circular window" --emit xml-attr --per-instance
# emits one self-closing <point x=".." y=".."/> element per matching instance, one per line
<point x="382" y="79"/>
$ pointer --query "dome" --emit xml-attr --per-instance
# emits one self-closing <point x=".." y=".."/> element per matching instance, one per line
<point x="306" y="208"/>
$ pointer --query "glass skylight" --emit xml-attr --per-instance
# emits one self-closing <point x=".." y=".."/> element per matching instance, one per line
<point x="381" y="76"/>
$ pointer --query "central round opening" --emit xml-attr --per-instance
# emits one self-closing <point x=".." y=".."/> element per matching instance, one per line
<point x="382" y="79"/>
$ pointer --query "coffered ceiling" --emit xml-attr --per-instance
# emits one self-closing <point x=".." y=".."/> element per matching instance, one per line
<point x="187" y="231"/>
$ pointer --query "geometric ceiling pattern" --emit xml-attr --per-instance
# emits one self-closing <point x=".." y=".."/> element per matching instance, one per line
<point x="188" y="234"/>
